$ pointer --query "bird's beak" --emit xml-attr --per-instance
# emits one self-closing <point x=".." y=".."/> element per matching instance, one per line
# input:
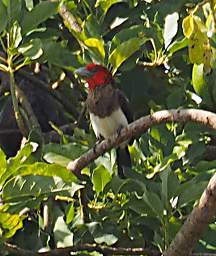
<point x="83" y="72"/>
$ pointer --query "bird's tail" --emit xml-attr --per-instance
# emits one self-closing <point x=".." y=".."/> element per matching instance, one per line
<point x="123" y="160"/>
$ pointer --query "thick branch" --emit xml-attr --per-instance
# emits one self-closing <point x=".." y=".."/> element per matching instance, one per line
<point x="196" y="223"/>
<point x="138" y="127"/>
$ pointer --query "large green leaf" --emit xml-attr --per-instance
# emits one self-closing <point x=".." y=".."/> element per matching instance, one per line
<point x="124" y="51"/>
<point x="45" y="169"/>
<point x="15" y="162"/>
<point x="55" y="54"/>
<point x="39" y="14"/>
<point x="14" y="8"/>
<point x="100" y="178"/>
<point x="62" y="154"/>
<point x="96" y="44"/>
<point x="29" y="191"/>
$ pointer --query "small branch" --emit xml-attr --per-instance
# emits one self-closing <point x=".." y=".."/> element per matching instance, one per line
<point x="17" y="251"/>
<point x="196" y="223"/>
<point x="32" y="120"/>
<point x="85" y="247"/>
<point x="18" y="116"/>
<point x="138" y="127"/>
<point x="65" y="103"/>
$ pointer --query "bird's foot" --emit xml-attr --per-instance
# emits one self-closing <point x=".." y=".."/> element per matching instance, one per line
<point x="99" y="139"/>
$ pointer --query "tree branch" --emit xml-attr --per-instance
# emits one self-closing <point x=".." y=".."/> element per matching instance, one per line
<point x="17" y="251"/>
<point x="138" y="127"/>
<point x="196" y="223"/>
<point x="84" y="247"/>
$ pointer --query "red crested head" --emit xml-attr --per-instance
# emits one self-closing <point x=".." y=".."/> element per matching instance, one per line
<point x="95" y="75"/>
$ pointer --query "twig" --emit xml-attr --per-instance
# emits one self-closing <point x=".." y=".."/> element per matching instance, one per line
<point x="43" y="85"/>
<point x="18" y="116"/>
<point x="32" y="120"/>
<point x="196" y="223"/>
<point x="140" y="126"/>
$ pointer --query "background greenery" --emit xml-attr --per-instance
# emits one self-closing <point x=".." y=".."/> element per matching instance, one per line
<point x="162" y="54"/>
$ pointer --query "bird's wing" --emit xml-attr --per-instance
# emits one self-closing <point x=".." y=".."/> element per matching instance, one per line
<point x="125" y="106"/>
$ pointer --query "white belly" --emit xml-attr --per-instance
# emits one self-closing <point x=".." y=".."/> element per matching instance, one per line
<point x="107" y="126"/>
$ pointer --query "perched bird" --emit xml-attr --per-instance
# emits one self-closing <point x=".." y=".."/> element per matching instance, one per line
<point x="108" y="108"/>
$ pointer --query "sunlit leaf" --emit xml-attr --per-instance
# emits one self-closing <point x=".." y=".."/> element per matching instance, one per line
<point x="29" y="4"/>
<point x="188" y="26"/>
<point x="15" y="35"/>
<point x="10" y="223"/>
<point x="100" y="178"/>
<point x="45" y="169"/>
<point x="124" y="51"/>
<point x="170" y="28"/>
<point x="198" y="78"/>
<point x="108" y="239"/>
<point x="97" y="44"/>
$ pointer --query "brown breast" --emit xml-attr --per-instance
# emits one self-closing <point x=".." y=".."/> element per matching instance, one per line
<point x="103" y="100"/>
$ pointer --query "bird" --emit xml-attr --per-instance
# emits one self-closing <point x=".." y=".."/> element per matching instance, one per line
<point x="109" y="109"/>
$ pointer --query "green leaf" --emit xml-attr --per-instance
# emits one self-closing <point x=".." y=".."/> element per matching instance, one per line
<point x="45" y="169"/>
<point x="100" y="178"/>
<point x="29" y="191"/>
<point x="32" y="49"/>
<point x="128" y="33"/>
<point x="108" y="239"/>
<point x="62" y="234"/>
<point x="55" y="54"/>
<point x="14" y="8"/>
<point x="39" y="14"/>
<point x="15" y="36"/>
<point x="96" y="44"/>
<point x="3" y="162"/>
<point x="14" y="162"/>
<point x="105" y="5"/>
<point x="57" y="159"/>
<point x="10" y="223"/>
<point x="124" y="51"/>
<point x="188" y="26"/>
<point x="61" y="154"/>
<point x="154" y="202"/>
<point x="29" y="4"/>
<point x="3" y="17"/>
<point x="170" y="28"/>
<point x="191" y="191"/>
<point x="178" y="45"/>
<point x="198" y="80"/>
<point x="70" y="214"/>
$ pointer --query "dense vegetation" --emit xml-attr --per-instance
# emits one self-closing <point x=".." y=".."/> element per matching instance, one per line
<point x="162" y="54"/>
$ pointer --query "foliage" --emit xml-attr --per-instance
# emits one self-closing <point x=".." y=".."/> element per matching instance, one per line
<point x="162" y="54"/>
